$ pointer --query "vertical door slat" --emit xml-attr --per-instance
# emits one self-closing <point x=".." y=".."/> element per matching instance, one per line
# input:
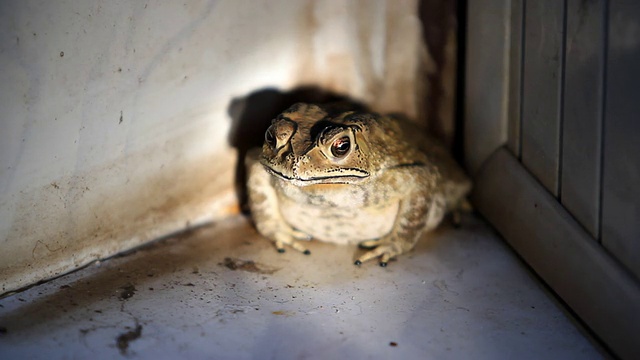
<point x="515" y="75"/>
<point x="621" y="178"/>
<point x="583" y="106"/>
<point x="485" y="106"/>
<point x="542" y="83"/>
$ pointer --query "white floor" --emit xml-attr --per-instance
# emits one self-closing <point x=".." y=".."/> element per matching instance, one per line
<point x="222" y="292"/>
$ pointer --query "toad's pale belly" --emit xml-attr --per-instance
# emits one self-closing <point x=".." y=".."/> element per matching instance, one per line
<point x="340" y="225"/>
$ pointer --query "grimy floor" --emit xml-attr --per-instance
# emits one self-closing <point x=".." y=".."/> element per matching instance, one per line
<point x="222" y="292"/>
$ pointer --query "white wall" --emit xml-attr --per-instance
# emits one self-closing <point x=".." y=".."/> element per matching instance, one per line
<point x="113" y="114"/>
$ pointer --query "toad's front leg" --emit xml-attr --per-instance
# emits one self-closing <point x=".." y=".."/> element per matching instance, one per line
<point x="415" y="216"/>
<point x="263" y="203"/>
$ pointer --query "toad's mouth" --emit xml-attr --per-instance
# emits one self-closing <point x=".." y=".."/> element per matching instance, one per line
<point x="354" y="176"/>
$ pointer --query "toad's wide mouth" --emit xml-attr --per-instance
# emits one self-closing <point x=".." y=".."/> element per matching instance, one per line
<point x="333" y="179"/>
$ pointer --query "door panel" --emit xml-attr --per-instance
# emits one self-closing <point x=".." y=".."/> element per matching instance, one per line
<point x="621" y="180"/>
<point x="582" y="112"/>
<point x="542" y="83"/>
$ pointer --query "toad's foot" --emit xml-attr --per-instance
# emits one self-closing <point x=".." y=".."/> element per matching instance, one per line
<point x="292" y="238"/>
<point x="384" y="251"/>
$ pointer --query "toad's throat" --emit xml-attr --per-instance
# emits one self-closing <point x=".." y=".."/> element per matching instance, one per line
<point x="354" y="176"/>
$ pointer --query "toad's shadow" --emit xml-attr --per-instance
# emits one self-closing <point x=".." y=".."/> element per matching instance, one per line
<point x="251" y="115"/>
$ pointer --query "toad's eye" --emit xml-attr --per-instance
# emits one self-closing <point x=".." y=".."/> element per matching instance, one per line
<point x="269" y="138"/>
<point x="341" y="147"/>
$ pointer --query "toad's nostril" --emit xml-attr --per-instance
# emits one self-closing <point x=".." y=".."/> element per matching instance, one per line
<point x="280" y="132"/>
<point x="269" y="138"/>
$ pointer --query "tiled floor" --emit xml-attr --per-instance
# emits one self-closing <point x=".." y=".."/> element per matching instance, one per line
<point x="221" y="292"/>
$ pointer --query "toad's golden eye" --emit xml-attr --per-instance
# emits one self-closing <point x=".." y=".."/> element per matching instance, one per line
<point x="341" y="147"/>
<point x="269" y="138"/>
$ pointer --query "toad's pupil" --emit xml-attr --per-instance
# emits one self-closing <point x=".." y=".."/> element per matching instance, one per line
<point x="341" y="146"/>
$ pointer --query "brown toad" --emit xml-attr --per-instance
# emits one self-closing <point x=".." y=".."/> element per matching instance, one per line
<point x="350" y="177"/>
